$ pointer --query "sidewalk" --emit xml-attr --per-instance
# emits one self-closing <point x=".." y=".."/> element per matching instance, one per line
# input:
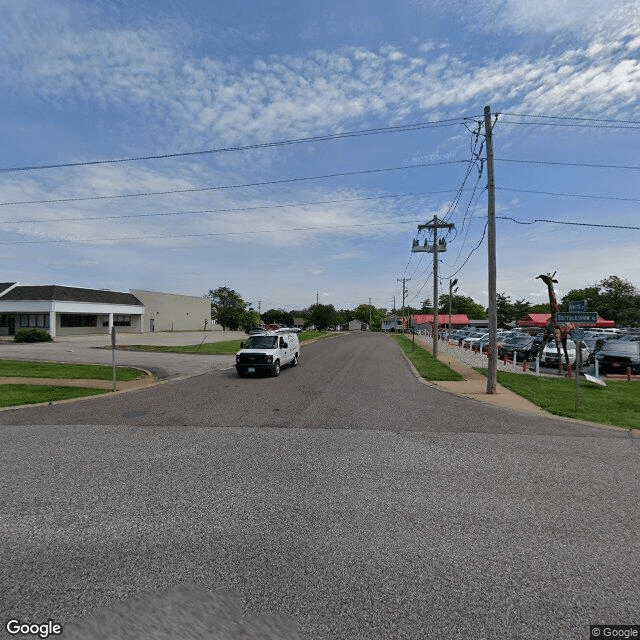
<point x="474" y="384"/>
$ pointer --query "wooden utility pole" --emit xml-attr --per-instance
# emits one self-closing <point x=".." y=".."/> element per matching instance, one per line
<point x="435" y="248"/>
<point x="491" y="242"/>
<point x="404" y="293"/>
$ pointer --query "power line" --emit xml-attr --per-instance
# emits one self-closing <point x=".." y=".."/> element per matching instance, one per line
<point x="579" y="119"/>
<point x="203" y="235"/>
<point x="574" y="224"/>
<point x="228" y="210"/>
<point x="260" y="145"/>
<point x="571" y="164"/>
<point x="237" y="186"/>
<point x="570" y="195"/>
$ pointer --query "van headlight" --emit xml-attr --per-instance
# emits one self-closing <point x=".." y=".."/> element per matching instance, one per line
<point x="269" y="358"/>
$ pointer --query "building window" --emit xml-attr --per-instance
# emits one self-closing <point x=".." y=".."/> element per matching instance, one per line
<point x="4" y="320"/>
<point x="77" y="320"/>
<point x="120" y="320"/>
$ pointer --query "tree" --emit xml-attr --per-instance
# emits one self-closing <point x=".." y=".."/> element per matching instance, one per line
<point x="278" y="316"/>
<point x="370" y="315"/>
<point x="227" y="307"/>
<point x="613" y="298"/>
<point x="322" y="316"/>
<point x="250" y="319"/>
<point x="461" y="304"/>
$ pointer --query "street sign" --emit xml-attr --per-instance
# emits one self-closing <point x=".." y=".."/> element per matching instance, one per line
<point x="578" y="317"/>
<point x="577" y="335"/>
<point x="577" y="305"/>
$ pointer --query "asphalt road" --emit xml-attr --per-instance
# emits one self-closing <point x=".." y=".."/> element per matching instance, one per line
<point x="344" y="497"/>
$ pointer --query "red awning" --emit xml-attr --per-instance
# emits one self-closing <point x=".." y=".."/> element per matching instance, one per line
<point x="540" y="320"/>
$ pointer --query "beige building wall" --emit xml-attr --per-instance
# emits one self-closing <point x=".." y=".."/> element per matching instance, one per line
<point x="174" y="312"/>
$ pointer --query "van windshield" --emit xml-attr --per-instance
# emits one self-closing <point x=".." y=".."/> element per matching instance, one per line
<point x="262" y="342"/>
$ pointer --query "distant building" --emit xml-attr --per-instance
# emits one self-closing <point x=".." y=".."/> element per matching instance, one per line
<point x="355" y="325"/>
<point x="391" y="323"/>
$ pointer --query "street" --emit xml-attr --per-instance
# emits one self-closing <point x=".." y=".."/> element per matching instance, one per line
<point x="343" y="495"/>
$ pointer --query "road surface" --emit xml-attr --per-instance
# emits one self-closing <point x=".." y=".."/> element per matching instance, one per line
<point x="343" y="496"/>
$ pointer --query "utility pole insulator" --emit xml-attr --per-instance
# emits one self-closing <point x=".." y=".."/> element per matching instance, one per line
<point x="438" y="246"/>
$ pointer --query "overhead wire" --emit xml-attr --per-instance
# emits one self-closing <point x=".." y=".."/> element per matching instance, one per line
<point x="260" y="145"/>
<point x="230" y="209"/>
<point x="237" y="186"/>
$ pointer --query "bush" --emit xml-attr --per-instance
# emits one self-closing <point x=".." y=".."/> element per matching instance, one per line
<point x="32" y="335"/>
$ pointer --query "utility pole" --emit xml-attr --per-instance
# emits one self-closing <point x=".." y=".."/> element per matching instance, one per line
<point x="369" y="314"/>
<point x="317" y="297"/>
<point x="435" y="248"/>
<point x="404" y="293"/>
<point x="491" y="243"/>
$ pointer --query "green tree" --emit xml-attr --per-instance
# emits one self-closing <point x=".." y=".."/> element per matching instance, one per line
<point x="510" y="312"/>
<point x="278" y="316"/>
<point x="227" y="307"/>
<point x="322" y="316"/>
<point x="613" y="298"/>
<point x="461" y="304"/>
<point x="369" y="314"/>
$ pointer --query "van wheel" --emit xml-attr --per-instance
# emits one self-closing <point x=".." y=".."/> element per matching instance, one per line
<point x="276" y="368"/>
<point x="294" y="362"/>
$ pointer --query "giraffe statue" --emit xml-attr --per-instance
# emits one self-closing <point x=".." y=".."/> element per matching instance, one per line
<point x="552" y="330"/>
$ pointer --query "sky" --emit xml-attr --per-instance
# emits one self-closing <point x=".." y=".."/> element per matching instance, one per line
<point x="289" y="150"/>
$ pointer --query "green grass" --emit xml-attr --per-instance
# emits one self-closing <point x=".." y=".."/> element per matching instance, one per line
<point x="428" y="367"/>
<point x="12" y="395"/>
<point x="616" y="404"/>
<point x="227" y="347"/>
<point x="22" y="369"/>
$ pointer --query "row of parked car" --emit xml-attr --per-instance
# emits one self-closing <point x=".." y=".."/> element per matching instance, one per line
<point x="615" y="352"/>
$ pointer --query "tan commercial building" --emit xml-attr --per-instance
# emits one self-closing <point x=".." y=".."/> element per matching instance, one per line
<point x="174" y="312"/>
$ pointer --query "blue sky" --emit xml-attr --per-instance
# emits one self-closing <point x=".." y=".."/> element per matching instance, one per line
<point x="87" y="81"/>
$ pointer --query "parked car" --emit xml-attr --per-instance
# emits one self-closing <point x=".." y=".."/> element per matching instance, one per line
<point x="524" y="346"/>
<point x="550" y="353"/>
<point x="472" y="337"/>
<point x="617" y="355"/>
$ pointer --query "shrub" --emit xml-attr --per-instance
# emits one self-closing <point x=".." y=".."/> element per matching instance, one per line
<point x="32" y="335"/>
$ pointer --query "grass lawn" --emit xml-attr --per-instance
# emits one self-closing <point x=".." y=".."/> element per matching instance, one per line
<point x="22" y="369"/>
<point x="428" y="367"/>
<point x="12" y="395"/>
<point x="228" y="347"/>
<point x="617" y="404"/>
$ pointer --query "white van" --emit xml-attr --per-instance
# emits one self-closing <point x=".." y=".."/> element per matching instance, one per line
<point x="268" y="351"/>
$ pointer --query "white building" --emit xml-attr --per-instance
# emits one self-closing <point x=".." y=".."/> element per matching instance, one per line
<point x="64" y="311"/>
<point x="67" y="310"/>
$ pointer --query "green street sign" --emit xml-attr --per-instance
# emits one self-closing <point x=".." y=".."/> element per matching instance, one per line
<point x="577" y="305"/>
<point x="577" y="317"/>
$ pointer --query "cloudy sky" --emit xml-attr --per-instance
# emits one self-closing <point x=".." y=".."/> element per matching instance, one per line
<point x="303" y="142"/>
